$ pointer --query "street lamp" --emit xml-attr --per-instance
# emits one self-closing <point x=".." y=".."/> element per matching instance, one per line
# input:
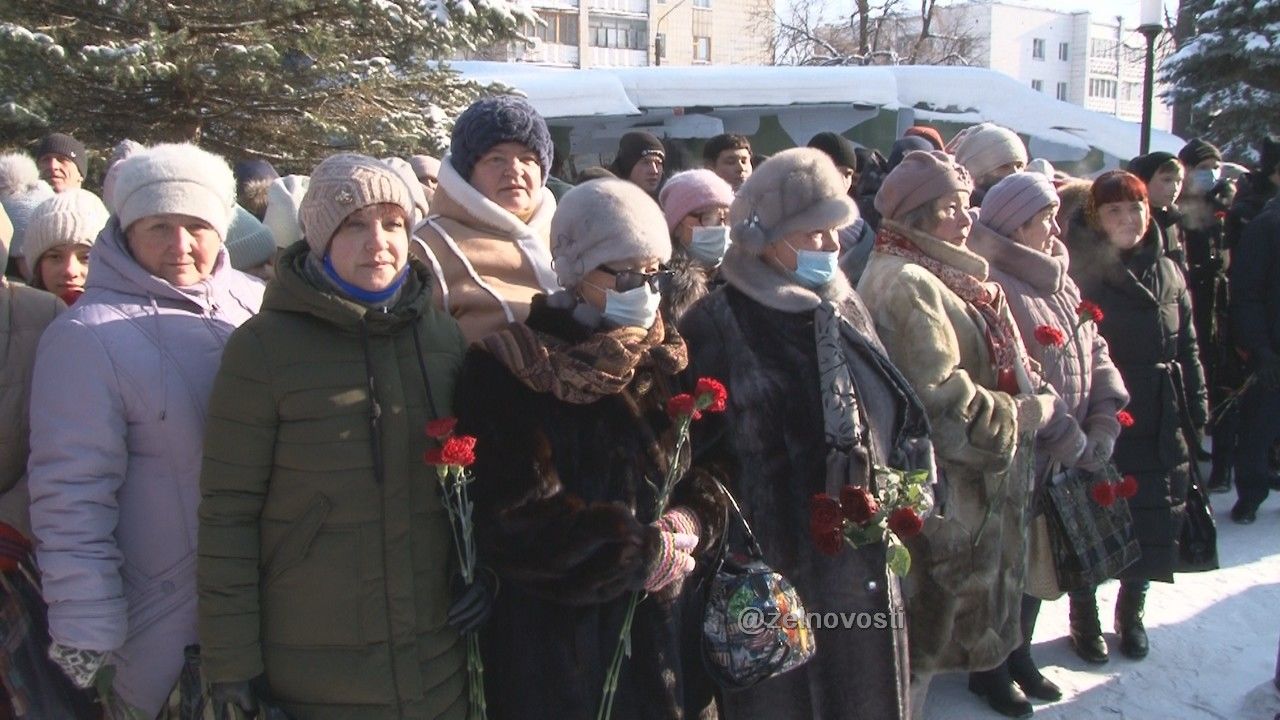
<point x="660" y="40"/>
<point x="1150" y="24"/>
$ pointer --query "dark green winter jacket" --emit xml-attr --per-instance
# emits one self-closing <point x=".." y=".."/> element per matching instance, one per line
<point x="324" y="550"/>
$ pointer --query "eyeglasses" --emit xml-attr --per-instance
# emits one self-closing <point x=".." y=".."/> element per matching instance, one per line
<point x="711" y="218"/>
<point x="624" y="280"/>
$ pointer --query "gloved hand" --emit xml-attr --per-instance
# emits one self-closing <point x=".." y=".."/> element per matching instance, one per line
<point x="250" y="697"/>
<point x="679" y="520"/>
<point x="1035" y="411"/>
<point x="1268" y="372"/>
<point x="673" y="561"/>
<point x="473" y="603"/>
<point x="79" y="665"/>
<point x="1097" y="451"/>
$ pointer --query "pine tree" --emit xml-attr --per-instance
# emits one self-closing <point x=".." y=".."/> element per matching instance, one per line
<point x="1228" y="70"/>
<point x="288" y="80"/>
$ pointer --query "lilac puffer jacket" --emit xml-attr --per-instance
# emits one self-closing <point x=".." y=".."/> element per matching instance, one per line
<point x="118" y="402"/>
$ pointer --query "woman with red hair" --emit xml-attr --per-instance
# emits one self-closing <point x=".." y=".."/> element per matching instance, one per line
<point x="1119" y="263"/>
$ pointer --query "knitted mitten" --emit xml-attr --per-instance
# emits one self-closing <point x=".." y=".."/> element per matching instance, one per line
<point x="79" y="665"/>
<point x="672" y="561"/>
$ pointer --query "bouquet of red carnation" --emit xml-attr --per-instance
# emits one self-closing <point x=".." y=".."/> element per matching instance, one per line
<point x="862" y="517"/>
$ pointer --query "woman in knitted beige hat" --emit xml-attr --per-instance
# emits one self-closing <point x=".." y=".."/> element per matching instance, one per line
<point x="950" y="332"/>
<point x="573" y="438"/>
<point x="815" y="404"/>
<point x="325" y="553"/>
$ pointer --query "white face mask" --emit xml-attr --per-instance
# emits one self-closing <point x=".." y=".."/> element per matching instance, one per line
<point x="709" y="244"/>
<point x="637" y="307"/>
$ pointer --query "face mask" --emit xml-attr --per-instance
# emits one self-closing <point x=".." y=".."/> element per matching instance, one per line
<point x="815" y="268"/>
<point x="1202" y="181"/>
<point x="709" y="244"/>
<point x="633" y="308"/>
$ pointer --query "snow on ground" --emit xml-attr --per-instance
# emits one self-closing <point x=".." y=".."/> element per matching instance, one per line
<point x="1213" y="643"/>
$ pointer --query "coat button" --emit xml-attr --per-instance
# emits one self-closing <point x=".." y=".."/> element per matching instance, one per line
<point x="872" y="586"/>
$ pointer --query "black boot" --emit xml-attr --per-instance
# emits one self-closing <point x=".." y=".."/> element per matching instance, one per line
<point x="1219" y="479"/>
<point x="1001" y="693"/>
<point x="1086" y="630"/>
<point x="1022" y="668"/>
<point x="1129" y="610"/>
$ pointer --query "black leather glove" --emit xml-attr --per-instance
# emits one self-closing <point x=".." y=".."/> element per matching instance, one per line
<point x="244" y="698"/>
<point x="473" y="603"/>
<point x="1268" y="371"/>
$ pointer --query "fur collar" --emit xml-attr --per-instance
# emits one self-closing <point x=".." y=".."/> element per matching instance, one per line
<point x="769" y="287"/>
<point x="1046" y="272"/>
<point x="956" y="256"/>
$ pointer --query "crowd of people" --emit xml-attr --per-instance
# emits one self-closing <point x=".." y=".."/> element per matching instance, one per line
<point x="218" y="383"/>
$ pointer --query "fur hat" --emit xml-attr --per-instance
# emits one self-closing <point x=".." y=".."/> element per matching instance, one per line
<point x="424" y="165"/>
<point x="931" y="134"/>
<point x="74" y="217"/>
<point x="492" y="121"/>
<point x="1146" y="166"/>
<point x="343" y="184"/>
<point x="795" y="190"/>
<point x="18" y="174"/>
<point x="173" y="178"/>
<point x="837" y="147"/>
<point x="1197" y="151"/>
<point x="633" y="147"/>
<point x="920" y="178"/>
<point x="984" y="147"/>
<point x="21" y="192"/>
<point x="1010" y="203"/>
<point x="605" y="221"/>
<point x="1074" y="194"/>
<point x="63" y="144"/>
<point x="284" y="197"/>
<point x="691" y="191"/>
<point x="249" y="242"/>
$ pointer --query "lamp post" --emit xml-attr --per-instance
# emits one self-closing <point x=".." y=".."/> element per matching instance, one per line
<point x="1150" y="25"/>
<point x="660" y="42"/>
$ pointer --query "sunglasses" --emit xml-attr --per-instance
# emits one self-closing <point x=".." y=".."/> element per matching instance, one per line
<point x="624" y="280"/>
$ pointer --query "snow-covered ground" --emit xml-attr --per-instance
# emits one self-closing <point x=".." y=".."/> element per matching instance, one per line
<point x="1213" y="643"/>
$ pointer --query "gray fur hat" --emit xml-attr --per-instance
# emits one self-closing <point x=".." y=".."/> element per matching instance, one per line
<point x="493" y="121"/>
<point x="795" y="190"/>
<point x="605" y="221"/>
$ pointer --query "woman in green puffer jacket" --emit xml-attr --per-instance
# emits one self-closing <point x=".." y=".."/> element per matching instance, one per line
<point x="324" y="553"/>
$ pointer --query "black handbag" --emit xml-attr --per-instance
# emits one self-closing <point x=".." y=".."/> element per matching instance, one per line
<point x="1091" y="543"/>
<point x="754" y="624"/>
<point x="1198" y="542"/>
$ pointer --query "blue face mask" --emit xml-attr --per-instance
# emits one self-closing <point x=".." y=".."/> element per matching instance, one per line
<point x="1202" y="181"/>
<point x="815" y="268"/>
<point x="709" y="244"/>
<point x="633" y="308"/>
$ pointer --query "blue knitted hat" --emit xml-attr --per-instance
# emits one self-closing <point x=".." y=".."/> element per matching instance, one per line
<point x="492" y="121"/>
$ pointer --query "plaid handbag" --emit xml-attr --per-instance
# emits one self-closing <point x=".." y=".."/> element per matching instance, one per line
<point x="1091" y="543"/>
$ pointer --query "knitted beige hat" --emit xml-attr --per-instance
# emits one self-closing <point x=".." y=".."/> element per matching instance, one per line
<point x="343" y="184"/>
<point x="605" y="221"/>
<point x="72" y="217"/>
<point x="795" y="190"/>
<point x="985" y="147"/>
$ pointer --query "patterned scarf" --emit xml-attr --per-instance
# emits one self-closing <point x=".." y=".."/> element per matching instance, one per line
<point x="581" y="373"/>
<point x="849" y="450"/>
<point x="987" y="298"/>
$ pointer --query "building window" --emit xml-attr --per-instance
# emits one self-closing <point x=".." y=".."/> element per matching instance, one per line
<point x="1102" y="48"/>
<point x="702" y="4"/>
<point x="1062" y="91"/>
<point x="1064" y="51"/>
<point x="556" y="28"/>
<point x="621" y="33"/>
<point x="702" y="49"/>
<point x="1037" y="85"/>
<point x="1037" y="48"/>
<point x="1101" y="88"/>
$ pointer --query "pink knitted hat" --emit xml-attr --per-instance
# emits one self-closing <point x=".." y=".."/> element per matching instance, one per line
<point x="691" y="191"/>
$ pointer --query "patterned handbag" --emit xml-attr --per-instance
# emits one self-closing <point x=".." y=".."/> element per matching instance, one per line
<point x="754" y="624"/>
<point x="1091" y="543"/>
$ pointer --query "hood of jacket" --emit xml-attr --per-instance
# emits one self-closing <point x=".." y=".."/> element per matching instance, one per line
<point x="1046" y="272"/>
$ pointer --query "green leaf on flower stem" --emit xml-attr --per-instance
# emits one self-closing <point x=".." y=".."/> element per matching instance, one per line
<point x="898" y="557"/>
<point x="860" y="535"/>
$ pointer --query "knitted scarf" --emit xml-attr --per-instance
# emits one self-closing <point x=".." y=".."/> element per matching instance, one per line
<point x="584" y="372"/>
<point x="987" y="298"/>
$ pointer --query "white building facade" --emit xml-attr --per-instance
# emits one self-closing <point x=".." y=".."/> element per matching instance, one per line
<point x="636" y="33"/>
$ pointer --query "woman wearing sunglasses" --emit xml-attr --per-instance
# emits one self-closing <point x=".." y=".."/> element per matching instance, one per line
<point x="696" y="204"/>
<point x="572" y="440"/>
<point x="814" y="403"/>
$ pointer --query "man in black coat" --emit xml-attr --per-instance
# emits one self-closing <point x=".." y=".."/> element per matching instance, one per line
<point x="1255" y="310"/>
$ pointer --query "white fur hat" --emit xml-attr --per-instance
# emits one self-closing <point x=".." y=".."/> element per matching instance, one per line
<point x="180" y="179"/>
<point x="72" y="217"/>
<point x="795" y="190"/>
<point x="284" y="197"/>
<point x="605" y="221"/>
<point x="18" y="174"/>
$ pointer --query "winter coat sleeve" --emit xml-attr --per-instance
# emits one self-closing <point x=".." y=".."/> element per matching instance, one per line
<point x="238" y="456"/>
<point x="531" y="529"/>
<point x="1107" y="393"/>
<point x="1253" y="272"/>
<point x="79" y="456"/>
<point x="1194" y="390"/>
<point x="972" y="426"/>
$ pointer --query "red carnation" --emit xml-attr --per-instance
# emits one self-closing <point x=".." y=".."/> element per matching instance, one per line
<point x="711" y="395"/>
<point x="829" y="542"/>
<point x="1104" y="493"/>
<point x="1125" y="418"/>
<point x="1089" y="310"/>
<point x="1220" y="214"/>
<point x="1127" y="487"/>
<point x="1050" y="336"/>
<point x="824" y="514"/>
<point x="858" y="503"/>
<point x="683" y="405"/>
<point x="459" y="450"/>
<point x="433" y="457"/>
<point x="906" y="523"/>
<point x="441" y="428"/>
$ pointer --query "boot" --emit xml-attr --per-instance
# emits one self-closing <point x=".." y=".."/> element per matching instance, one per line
<point x="1129" y="611"/>
<point x="1219" y="479"/>
<point x="1086" y="630"/>
<point x="1022" y="668"/>
<point x="1000" y="691"/>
